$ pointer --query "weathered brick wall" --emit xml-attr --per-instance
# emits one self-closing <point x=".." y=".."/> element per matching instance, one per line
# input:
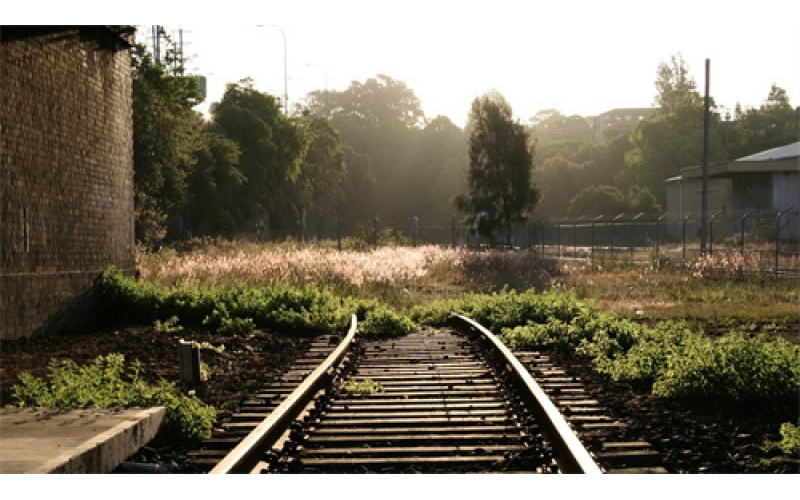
<point x="66" y="175"/>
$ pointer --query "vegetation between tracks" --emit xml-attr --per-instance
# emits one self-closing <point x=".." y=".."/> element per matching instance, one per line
<point x="725" y="348"/>
<point x="673" y="357"/>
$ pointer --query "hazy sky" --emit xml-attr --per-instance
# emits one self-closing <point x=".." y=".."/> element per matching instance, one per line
<point x="580" y="57"/>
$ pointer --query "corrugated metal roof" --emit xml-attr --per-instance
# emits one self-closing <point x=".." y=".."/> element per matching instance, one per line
<point x="788" y="151"/>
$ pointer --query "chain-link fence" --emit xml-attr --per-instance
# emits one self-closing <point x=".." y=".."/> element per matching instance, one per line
<point x="772" y="238"/>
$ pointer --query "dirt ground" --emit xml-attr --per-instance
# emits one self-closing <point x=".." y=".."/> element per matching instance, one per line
<point x="692" y="440"/>
<point x="233" y="371"/>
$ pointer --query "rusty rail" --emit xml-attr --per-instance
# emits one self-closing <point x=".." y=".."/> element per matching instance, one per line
<point x="570" y="452"/>
<point x="242" y="458"/>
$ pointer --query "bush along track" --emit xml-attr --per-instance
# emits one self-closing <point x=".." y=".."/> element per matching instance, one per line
<point x="107" y="383"/>
<point x="280" y="307"/>
<point x="734" y="370"/>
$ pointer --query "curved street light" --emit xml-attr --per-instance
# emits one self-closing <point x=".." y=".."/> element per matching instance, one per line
<point x="285" y="72"/>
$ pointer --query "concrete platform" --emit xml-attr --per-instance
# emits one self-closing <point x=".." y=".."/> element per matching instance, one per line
<point x="51" y="441"/>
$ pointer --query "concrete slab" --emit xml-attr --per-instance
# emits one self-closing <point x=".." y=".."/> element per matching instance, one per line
<point x="53" y="441"/>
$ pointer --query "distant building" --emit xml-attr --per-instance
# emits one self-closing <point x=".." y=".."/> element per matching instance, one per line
<point x="617" y="121"/>
<point x="768" y="181"/>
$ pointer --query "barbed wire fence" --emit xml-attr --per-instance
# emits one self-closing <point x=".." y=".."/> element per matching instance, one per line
<point x="769" y="237"/>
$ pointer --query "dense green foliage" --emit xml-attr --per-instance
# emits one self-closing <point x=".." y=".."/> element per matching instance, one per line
<point x="500" y="187"/>
<point x="671" y="358"/>
<point x="675" y="360"/>
<point x="573" y="158"/>
<point x="240" y="309"/>
<point x="790" y="439"/>
<point x="273" y="148"/>
<point x="400" y="164"/>
<point x="107" y="383"/>
<point x="166" y="133"/>
<point x="250" y="169"/>
<point x="246" y="167"/>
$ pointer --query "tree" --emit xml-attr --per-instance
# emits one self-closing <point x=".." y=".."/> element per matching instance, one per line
<point x="213" y="185"/>
<point x="359" y="188"/>
<point x="550" y="125"/>
<point x="673" y="139"/>
<point x="598" y="200"/>
<point x="378" y="102"/>
<point x="272" y="149"/>
<point x="500" y="166"/>
<point x="674" y="84"/>
<point x="559" y="179"/>
<point x="317" y="191"/>
<point x="381" y="120"/>
<point x="165" y="136"/>
<point x="773" y="124"/>
<point x="609" y="200"/>
<point x="439" y="169"/>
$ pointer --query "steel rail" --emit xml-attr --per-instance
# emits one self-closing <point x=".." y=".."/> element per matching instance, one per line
<point x="273" y="427"/>
<point x="569" y="451"/>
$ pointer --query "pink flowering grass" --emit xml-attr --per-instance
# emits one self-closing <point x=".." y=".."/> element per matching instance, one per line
<point x="265" y="265"/>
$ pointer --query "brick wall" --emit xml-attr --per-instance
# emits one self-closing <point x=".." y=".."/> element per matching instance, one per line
<point x="66" y="172"/>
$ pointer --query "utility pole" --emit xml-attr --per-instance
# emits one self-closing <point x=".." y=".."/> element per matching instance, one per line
<point x="157" y="43"/>
<point x="180" y="51"/>
<point x="706" y="122"/>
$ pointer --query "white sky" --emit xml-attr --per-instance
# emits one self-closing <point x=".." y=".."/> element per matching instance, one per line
<point x="577" y="56"/>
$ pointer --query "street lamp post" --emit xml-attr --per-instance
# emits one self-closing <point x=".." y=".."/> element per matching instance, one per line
<point x="285" y="72"/>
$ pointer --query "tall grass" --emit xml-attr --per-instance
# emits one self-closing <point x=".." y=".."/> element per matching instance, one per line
<point x="258" y="266"/>
<point x="531" y="303"/>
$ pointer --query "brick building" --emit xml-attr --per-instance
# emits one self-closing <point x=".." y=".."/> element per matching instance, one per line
<point x="66" y="171"/>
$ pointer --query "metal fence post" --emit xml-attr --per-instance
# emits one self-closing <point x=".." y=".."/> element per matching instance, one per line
<point x="558" y="239"/>
<point x="453" y="230"/>
<point x="592" y="248"/>
<point x="612" y="234"/>
<point x="543" y="226"/>
<point x="414" y="230"/>
<point x="741" y="241"/>
<point x="631" y="232"/>
<point x="339" y="233"/>
<point x="375" y="230"/>
<point x="684" y="234"/>
<point x="711" y="232"/>
<point x="530" y="241"/>
<point x="575" y="235"/>
<point x="778" y="234"/>
<point x="658" y="233"/>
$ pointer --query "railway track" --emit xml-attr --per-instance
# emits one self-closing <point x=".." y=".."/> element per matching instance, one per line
<point x="450" y="400"/>
<point x="260" y="406"/>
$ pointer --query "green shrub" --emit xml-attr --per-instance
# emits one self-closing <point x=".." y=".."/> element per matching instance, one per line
<point x="676" y="361"/>
<point x="790" y="442"/>
<point x="554" y="333"/>
<point x="733" y="369"/>
<point x="366" y="386"/>
<point x="382" y="321"/>
<point x="221" y="321"/>
<point x="231" y="309"/>
<point x="510" y="309"/>
<point x="169" y="326"/>
<point x="105" y="384"/>
<point x="646" y="358"/>
<point x="434" y="313"/>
